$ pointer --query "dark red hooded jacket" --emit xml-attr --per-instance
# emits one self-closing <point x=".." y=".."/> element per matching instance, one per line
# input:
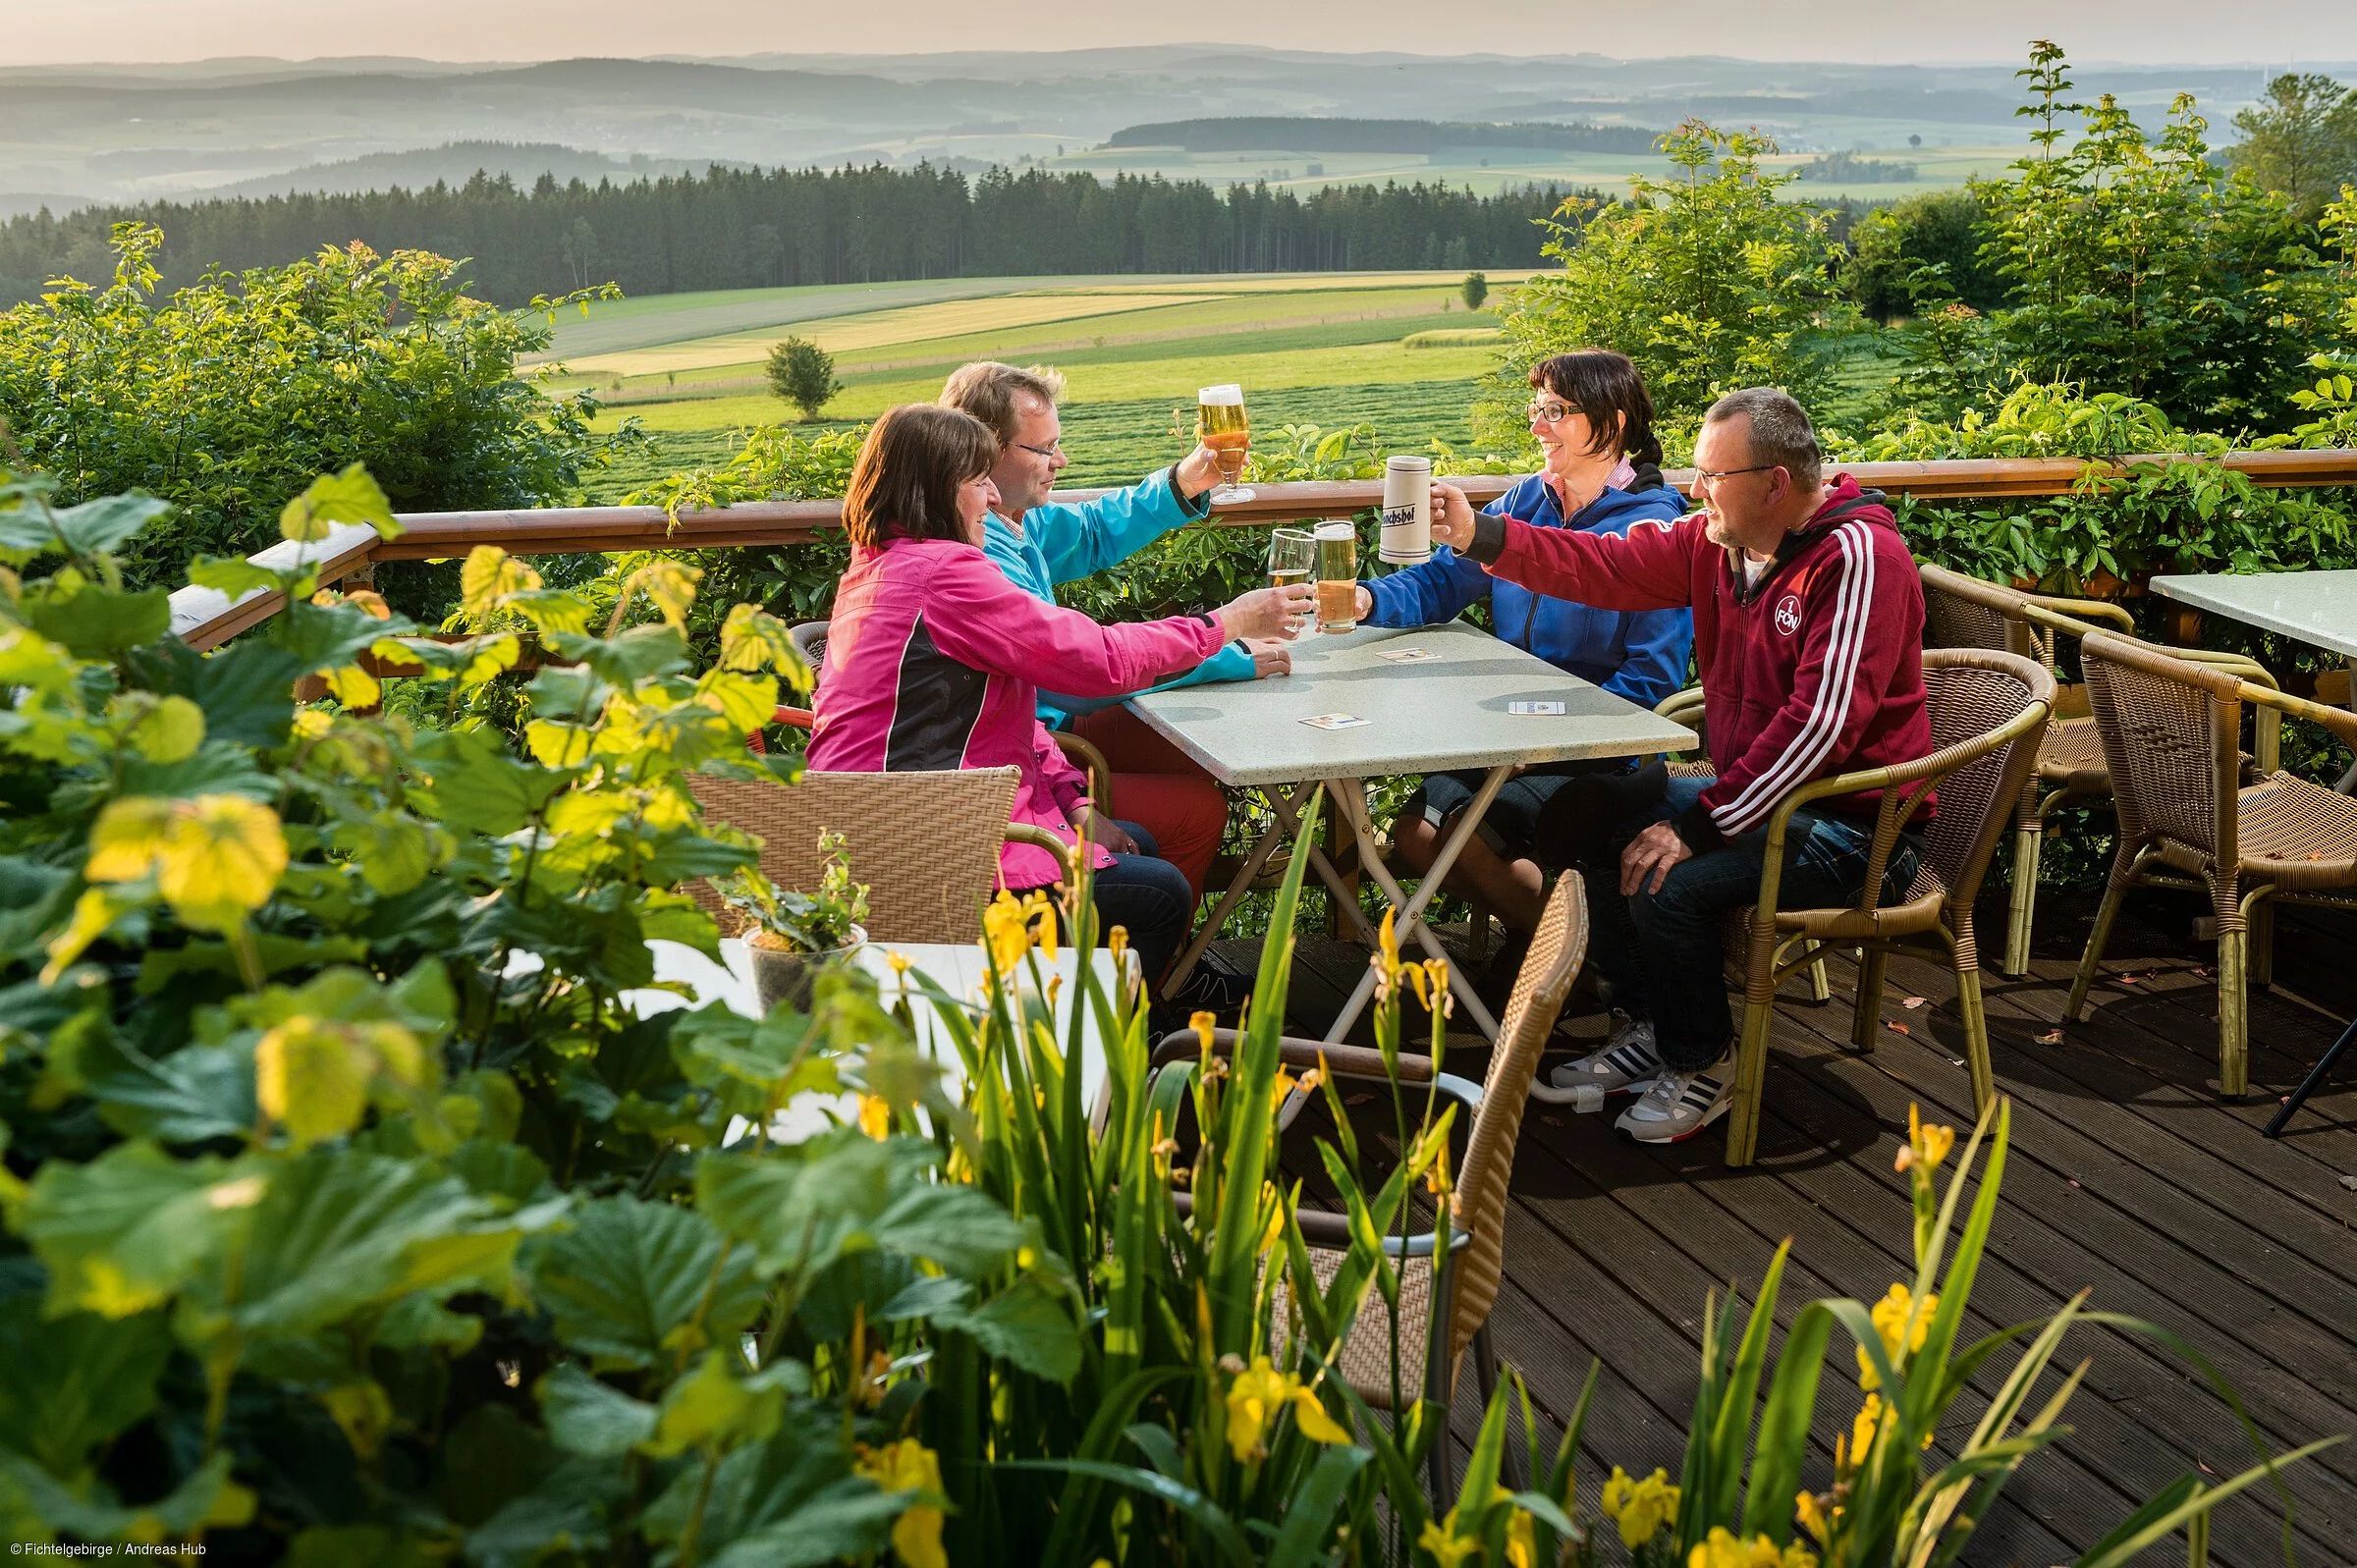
<point x="1815" y="670"/>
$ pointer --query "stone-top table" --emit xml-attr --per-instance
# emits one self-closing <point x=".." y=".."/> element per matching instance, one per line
<point x="1449" y="709"/>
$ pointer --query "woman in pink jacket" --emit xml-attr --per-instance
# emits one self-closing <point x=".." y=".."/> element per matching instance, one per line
<point x="935" y="660"/>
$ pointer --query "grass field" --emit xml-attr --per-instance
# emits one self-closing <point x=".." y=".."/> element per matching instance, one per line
<point x="1319" y="347"/>
<point x="1118" y="441"/>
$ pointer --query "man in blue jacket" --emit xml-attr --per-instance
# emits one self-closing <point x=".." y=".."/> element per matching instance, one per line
<point x="1038" y="545"/>
<point x="1593" y="421"/>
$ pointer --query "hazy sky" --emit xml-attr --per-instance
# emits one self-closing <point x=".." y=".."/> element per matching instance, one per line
<point x="2265" y="31"/>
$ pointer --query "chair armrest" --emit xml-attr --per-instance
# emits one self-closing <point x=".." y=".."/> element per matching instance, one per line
<point x="1678" y="704"/>
<point x="1328" y="1232"/>
<point x="2339" y="721"/>
<point x="794" y="717"/>
<point x="1040" y="839"/>
<point x="2084" y="610"/>
<point x="1347" y="1061"/>
<point x="1091" y="762"/>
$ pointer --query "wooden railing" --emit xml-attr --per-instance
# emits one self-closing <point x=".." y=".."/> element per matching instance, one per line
<point x="204" y="618"/>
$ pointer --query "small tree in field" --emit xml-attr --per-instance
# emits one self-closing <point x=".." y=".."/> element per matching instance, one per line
<point x="803" y="374"/>
<point x="1474" y="289"/>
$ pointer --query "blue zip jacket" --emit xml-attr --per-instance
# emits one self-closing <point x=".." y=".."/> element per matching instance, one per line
<point x="1640" y="656"/>
<point x="1063" y="543"/>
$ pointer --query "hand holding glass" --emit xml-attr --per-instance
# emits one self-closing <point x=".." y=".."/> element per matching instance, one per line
<point x="1222" y="424"/>
<point x="1265" y="611"/>
<point x="1293" y="559"/>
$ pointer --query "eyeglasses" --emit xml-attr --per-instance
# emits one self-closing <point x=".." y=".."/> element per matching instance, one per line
<point x="1705" y="477"/>
<point x="1553" y="413"/>
<point x="1052" y="450"/>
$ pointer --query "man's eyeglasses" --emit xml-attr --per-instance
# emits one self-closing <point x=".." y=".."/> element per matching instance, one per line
<point x="1705" y="476"/>
<point x="1052" y="450"/>
<point x="1553" y="413"/>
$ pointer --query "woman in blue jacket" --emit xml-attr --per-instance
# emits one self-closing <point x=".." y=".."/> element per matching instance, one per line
<point x="1593" y="419"/>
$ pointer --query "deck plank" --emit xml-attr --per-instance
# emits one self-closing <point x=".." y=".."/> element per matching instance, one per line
<point x="2129" y="1178"/>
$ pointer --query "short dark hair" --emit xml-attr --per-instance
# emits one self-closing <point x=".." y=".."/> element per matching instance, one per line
<point x="1609" y="391"/>
<point x="1780" y="430"/>
<point x="905" y="485"/>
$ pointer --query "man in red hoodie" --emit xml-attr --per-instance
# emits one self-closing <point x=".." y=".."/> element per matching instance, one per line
<point x="1808" y="631"/>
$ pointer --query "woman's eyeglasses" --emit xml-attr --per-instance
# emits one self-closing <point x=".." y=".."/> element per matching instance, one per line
<point x="1553" y="413"/>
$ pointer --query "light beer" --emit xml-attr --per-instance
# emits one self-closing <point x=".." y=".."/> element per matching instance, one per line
<point x="1337" y="576"/>
<point x="1222" y="424"/>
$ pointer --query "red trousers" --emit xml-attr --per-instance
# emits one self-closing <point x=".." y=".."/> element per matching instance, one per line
<point x="1160" y="788"/>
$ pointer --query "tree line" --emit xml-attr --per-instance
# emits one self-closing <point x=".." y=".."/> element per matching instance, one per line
<point x="756" y="228"/>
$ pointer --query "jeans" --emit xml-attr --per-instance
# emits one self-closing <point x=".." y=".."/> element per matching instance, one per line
<point x="1150" y="897"/>
<point x="1661" y="950"/>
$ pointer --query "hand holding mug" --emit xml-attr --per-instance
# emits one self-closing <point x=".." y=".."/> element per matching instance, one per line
<point x="1451" y="517"/>
<point x="1267" y="611"/>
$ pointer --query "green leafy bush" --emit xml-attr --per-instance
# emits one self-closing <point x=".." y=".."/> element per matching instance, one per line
<point x="229" y="395"/>
<point x="1707" y="281"/>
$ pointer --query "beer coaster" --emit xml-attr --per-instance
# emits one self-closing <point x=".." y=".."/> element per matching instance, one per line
<point x="1336" y="721"/>
<point x="1407" y="655"/>
<point x="1543" y="708"/>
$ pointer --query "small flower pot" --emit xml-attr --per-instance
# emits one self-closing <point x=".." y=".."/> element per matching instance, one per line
<point x="786" y="974"/>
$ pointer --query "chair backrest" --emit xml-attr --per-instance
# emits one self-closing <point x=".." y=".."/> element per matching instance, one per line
<point x="2171" y="732"/>
<point x="926" y="843"/>
<point x="1960" y="611"/>
<point x="1556" y="951"/>
<point x="1973" y="693"/>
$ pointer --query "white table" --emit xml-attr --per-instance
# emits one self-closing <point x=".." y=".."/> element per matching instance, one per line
<point x="1428" y="715"/>
<point x="956" y="969"/>
<point x="2318" y="608"/>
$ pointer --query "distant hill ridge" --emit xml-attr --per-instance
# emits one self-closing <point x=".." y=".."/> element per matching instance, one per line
<point x="1304" y="133"/>
<point x="454" y="163"/>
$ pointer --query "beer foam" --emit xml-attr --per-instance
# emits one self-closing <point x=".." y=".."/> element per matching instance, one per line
<point x="1343" y="529"/>
<point x="1225" y="395"/>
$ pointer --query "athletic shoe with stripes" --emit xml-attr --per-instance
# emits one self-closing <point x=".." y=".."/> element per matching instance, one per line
<point x="1625" y="1066"/>
<point x="1680" y="1105"/>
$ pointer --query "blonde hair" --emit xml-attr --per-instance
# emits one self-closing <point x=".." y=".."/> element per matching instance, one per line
<point x="988" y="391"/>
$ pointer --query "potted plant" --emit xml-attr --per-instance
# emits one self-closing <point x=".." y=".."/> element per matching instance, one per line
<point x="791" y="934"/>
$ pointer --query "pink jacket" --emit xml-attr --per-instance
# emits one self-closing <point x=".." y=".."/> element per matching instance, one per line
<point x="935" y="660"/>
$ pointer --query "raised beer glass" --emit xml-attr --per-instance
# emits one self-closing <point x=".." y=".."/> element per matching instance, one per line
<point x="1337" y="575"/>
<point x="1221" y="425"/>
<point x="1293" y="559"/>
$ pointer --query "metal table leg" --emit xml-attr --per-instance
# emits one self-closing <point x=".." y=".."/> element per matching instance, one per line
<point x="2312" y="1082"/>
<point x="1241" y="882"/>
<point x="1351" y="797"/>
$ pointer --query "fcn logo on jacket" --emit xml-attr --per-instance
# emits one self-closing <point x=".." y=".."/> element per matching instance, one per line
<point x="1788" y="613"/>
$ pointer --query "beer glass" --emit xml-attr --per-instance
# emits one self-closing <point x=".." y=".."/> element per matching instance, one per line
<point x="1337" y="575"/>
<point x="1293" y="559"/>
<point x="1221" y="425"/>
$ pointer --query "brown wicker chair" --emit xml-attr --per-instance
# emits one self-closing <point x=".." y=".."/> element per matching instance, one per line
<point x="926" y="885"/>
<point x="1472" y="1265"/>
<point x="1986" y="711"/>
<point x="2171" y="732"/>
<point x="1963" y="611"/>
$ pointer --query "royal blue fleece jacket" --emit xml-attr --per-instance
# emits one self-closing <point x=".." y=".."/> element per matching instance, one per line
<point x="1063" y="543"/>
<point x="1640" y="656"/>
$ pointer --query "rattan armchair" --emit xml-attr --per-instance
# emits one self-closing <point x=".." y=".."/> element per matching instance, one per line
<point x="926" y="885"/>
<point x="1962" y="611"/>
<point x="1466" y="1267"/>
<point x="2171" y="732"/>
<point x="1988" y="710"/>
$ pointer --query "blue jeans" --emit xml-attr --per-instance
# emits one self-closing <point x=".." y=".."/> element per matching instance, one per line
<point x="1150" y="897"/>
<point x="1661" y="950"/>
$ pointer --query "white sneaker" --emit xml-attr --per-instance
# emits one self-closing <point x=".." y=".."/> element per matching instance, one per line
<point x="1680" y="1105"/>
<point x="1625" y="1066"/>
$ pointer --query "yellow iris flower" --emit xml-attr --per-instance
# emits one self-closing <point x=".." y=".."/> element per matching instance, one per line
<point x="1258" y="1396"/>
<point x="1640" y="1507"/>
<point x="1891" y="1320"/>
<point x="1725" y="1550"/>
<point x="909" y="1466"/>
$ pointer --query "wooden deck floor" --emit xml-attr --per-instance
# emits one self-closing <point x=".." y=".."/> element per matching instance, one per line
<point x="2129" y="1180"/>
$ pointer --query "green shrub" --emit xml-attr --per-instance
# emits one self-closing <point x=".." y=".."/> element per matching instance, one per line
<point x="1707" y="281"/>
<point x="229" y="395"/>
